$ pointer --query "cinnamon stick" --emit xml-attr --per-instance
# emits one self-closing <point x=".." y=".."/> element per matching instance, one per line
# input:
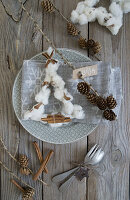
<point x="56" y="120"/>
<point x="17" y="185"/>
<point x="37" y="105"/>
<point x="39" y="154"/>
<point x="35" y="177"/>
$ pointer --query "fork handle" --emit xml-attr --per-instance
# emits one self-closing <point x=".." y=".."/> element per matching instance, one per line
<point x="61" y="177"/>
<point x="66" y="184"/>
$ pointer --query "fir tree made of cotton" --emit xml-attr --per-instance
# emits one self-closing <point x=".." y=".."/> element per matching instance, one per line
<point x="53" y="79"/>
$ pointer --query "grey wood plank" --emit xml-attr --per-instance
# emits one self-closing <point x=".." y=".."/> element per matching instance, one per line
<point x="13" y="9"/>
<point x="31" y="45"/>
<point x="114" y="182"/>
<point x="55" y="27"/>
<point x="9" y="126"/>
<point x="19" y="41"/>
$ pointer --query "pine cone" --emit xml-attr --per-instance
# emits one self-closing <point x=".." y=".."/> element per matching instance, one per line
<point x="24" y="171"/>
<point x="83" y="88"/>
<point x="47" y="5"/>
<point x="82" y="43"/>
<point x="96" y="48"/>
<point x="23" y="160"/>
<point x="92" y="98"/>
<point x="109" y="115"/>
<point x="90" y="43"/>
<point x="29" y="192"/>
<point x="101" y="103"/>
<point x="111" y="102"/>
<point x="72" y="30"/>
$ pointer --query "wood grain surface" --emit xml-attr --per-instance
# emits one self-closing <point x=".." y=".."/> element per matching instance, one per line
<point x="20" y="40"/>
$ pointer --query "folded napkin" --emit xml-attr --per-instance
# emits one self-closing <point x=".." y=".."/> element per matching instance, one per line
<point x="106" y="82"/>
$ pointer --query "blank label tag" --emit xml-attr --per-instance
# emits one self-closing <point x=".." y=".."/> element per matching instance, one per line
<point x="86" y="71"/>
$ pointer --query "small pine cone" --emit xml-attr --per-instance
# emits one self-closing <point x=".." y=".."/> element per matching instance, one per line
<point x="24" y="171"/>
<point x="90" y="43"/>
<point x="83" y="88"/>
<point x="72" y="30"/>
<point x="23" y="160"/>
<point x="82" y="43"/>
<point x="29" y="192"/>
<point x="109" y="115"/>
<point x="96" y="48"/>
<point x="111" y="102"/>
<point x="47" y="5"/>
<point x="101" y="103"/>
<point x="92" y="98"/>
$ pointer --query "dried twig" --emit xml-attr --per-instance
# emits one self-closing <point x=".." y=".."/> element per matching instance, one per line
<point x="5" y="148"/>
<point x="14" y="175"/>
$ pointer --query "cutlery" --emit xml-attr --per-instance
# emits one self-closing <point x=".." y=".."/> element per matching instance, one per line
<point x="93" y="157"/>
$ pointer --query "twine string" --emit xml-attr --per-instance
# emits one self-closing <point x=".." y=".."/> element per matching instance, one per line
<point x="14" y="175"/>
<point x="5" y="148"/>
<point x="52" y="44"/>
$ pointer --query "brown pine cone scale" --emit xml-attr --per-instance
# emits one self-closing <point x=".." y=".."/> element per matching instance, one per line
<point x="23" y="160"/>
<point x="111" y="102"/>
<point x="47" y="6"/>
<point x="101" y="103"/>
<point x="72" y="30"/>
<point x="82" y="43"/>
<point x="92" y="98"/>
<point x="83" y="88"/>
<point x="24" y="171"/>
<point x="90" y="43"/>
<point x="96" y="48"/>
<point x="29" y="192"/>
<point x="109" y="115"/>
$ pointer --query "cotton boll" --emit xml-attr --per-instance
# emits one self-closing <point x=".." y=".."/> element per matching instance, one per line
<point x="74" y="17"/>
<point x="52" y="68"/>
<point x="67" y="108"/>
<point x="126" y="6"/>
<point x="115" y="29"/>
<point x="78" y="112"/>
<point x="80" y="7"/>
<point x="91" y="3"/>
<point x="83" y="19"/>
<point x="43" y="95"/>
<point x="101" y="14"/>
<point x="115" y="9"/>
<point x="47" y="78"/>
<point x="58" y="81"/>
<point x="35" y="114"/>
<point x="59" y="94"/>
<point x="102" y="10"/>
<point x="111" y="21"/>
<point x="27" y="115"/>
<point x="91" y="14"/>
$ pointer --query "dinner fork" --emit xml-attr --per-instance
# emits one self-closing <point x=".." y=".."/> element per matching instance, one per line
<point x="93" y="157"/>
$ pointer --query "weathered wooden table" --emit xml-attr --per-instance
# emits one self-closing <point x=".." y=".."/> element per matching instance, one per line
<point x="20" y="40"/>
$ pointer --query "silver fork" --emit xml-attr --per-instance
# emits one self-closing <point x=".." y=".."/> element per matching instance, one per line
<point x="93" y="157"/>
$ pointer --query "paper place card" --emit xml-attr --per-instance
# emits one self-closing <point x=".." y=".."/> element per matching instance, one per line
<point x="86" y="71"/>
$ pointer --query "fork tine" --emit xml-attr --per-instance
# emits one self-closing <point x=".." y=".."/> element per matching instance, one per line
<point x="94" y="152"/>
<point x="97" y="153"/>
<point x="91" y="150"/>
